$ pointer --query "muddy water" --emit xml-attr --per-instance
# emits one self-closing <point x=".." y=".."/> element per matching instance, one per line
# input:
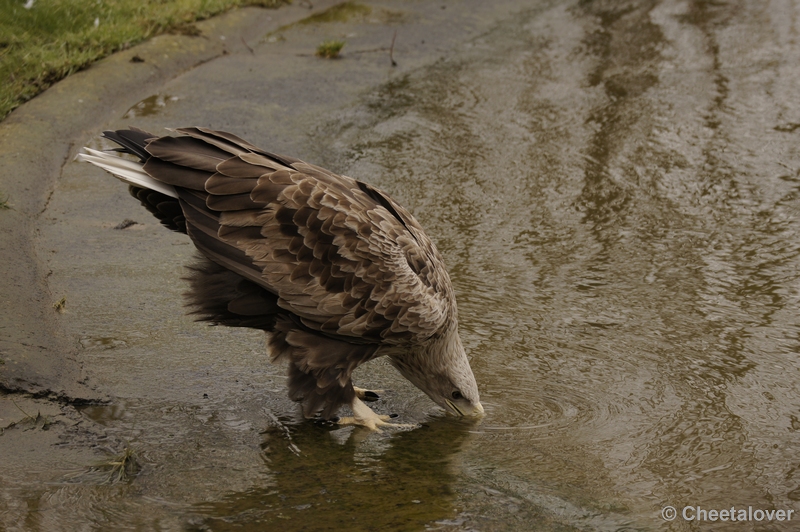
<point x="615" y="191"/>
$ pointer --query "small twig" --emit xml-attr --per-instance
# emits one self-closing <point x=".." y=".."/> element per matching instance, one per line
<point x="247" y="45"/>
<point x="391" y="50"/>
<point x="27" y="415"/>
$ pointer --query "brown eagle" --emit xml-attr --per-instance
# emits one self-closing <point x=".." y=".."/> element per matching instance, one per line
<point x="334" y="270"/>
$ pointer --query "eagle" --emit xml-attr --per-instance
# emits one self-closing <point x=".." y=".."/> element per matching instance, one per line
<point x="334" y="270"/>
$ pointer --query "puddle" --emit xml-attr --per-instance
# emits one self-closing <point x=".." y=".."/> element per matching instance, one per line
<point x="102" y="343"/>
<point x="152" y="105"/>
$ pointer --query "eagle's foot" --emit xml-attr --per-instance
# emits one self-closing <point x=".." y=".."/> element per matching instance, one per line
<point x="367" y="395"/>
<point x="363" y="416"/>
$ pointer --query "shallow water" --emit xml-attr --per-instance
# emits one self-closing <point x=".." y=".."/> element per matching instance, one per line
<point x="615" y="191"/>
<point x="621" y="224"/>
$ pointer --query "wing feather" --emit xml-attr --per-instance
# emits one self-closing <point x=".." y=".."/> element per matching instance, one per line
<point x="222" y="138"/>
<point x="176" y="175"/>
<point x="222" y="184"/>
<point x="185" y="151"/>
<point x="237" y="167"/>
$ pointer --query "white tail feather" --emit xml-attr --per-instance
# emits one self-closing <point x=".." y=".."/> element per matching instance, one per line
<point x="130" y="172"/>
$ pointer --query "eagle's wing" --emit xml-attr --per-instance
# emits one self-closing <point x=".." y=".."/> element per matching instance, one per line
<point x="340" y="255"/>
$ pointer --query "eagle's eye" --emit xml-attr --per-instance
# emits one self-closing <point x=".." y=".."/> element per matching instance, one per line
<point x="457" y="395"/>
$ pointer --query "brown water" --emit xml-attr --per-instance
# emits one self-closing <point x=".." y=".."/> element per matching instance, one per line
<point x="615" y="190"/>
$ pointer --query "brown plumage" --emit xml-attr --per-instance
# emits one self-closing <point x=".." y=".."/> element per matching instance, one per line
<point x="332" y="268"/>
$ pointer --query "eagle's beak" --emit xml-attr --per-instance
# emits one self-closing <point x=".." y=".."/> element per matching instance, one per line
<point x="477" y="410"/>
<point x="453" y="408"/>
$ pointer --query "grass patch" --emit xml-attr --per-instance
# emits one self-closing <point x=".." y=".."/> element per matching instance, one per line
<point x="123" y="467"/>
<point x="52" y="39"/>
<point x="338" y="13"/>
<point x="4" y="202"/>
<point x="330" y="49"/>
<point x="61" y="304"/>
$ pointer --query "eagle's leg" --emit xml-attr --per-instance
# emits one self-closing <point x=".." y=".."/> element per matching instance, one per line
<point x="367" y="395"/>
<point x="365" y="417"/>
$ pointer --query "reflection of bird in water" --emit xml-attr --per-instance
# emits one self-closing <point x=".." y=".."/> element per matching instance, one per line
<point x="333" y="269"/>
<point x="311" y="483"/>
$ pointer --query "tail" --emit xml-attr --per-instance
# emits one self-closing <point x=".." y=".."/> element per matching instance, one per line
<point x="130" y="172"/>
<point x="133" y="141"/>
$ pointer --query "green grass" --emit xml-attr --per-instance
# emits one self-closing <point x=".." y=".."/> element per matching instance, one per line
<point x="54" y="38"/>
<point x="330" y="49"/>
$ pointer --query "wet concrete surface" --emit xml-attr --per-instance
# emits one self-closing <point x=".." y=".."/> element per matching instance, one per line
<point x="613" y="186"/>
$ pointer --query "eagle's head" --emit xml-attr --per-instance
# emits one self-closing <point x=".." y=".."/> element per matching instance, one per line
<point x="440" y="368"/>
